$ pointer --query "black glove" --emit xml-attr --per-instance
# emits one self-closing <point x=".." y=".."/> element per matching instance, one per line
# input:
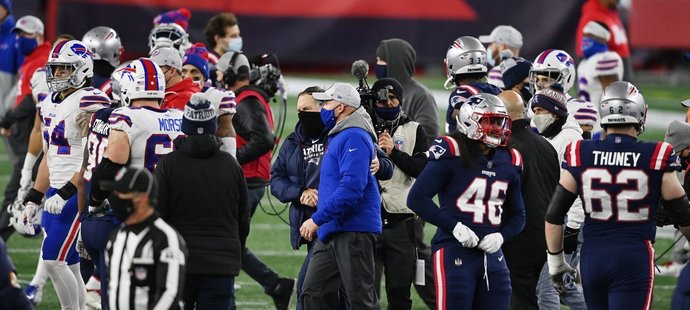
<point x="570" y="240"/>
<point x="662" y="218"/>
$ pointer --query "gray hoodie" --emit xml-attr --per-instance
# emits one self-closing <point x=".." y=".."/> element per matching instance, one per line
<point x="360" y="119"/>
<point x="418" y="102"/>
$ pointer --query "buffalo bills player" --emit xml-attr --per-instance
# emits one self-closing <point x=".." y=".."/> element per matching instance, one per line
<point x="475" y="178"/>
<point x="140" y="133"/>
<point x="68" y="70"/>
<point x="466" y="69"/>
<point x="621" y="181"/>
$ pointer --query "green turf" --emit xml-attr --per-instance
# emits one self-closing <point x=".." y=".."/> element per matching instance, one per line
<point x="269" y="238"/>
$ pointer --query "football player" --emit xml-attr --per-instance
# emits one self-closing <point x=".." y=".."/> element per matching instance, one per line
<point x="105" y="44"/>
<point x="140" y="133"/>
<point x="169" y="35"/>
<point x="600" y="67"/>
<point x="476" y="177"/>
<point x="68" y="72"/>
<point x="621" y="182"/>
<point x="223" y="101"/>
<point x="466" y="69"/>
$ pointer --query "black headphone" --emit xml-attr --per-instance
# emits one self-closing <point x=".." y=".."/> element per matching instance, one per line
<point x="230" y="76"/>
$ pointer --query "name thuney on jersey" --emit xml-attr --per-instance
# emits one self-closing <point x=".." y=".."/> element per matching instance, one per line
<point x="623" y="159"/>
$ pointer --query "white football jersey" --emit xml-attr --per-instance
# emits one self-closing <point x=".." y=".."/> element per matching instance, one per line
<point x="589" y="71"/>
<point x="495" y="77"/>
<point x="151" y="132"/>
<point x="39" y="86"/>
<point x="62" y="139"/>
<point x="223" y="101"/>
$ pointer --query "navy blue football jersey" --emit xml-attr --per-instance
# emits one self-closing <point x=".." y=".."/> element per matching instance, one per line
<point x="97" y="140"/>
<point x="619" y="181"/>
<point x="458" y="97"/>
<point x="475" y="196"/>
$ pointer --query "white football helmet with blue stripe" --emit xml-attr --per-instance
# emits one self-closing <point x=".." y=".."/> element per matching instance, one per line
<point x="140" y="79"/>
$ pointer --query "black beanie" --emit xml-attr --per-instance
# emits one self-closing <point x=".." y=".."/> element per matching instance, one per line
<point x="392" y="85"/>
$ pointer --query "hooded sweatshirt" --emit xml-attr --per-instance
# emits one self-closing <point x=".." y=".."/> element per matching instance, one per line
<point x="352" y="200"/>
<point x="203" y="195"/>
<point x="418" y="102"/>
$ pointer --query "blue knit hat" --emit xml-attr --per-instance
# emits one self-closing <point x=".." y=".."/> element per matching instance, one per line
<point x="199" y="118"/>
<point x="552" y="99"/>
<point x="197" y="56"/>
<point x="515" y="70"/>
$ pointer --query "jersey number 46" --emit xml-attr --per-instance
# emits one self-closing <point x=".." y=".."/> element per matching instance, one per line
<point x="475" y="201"/>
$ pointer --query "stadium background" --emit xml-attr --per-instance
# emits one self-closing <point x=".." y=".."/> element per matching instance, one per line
<point x="317" y="40"/>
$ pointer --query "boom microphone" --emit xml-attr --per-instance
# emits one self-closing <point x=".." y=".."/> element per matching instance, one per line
<point x="360" y="69"/>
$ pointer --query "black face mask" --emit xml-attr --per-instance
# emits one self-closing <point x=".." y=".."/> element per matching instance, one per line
<point x="122" y="208"/>
<point x="312" y="125"/>
<point x="526" y="93"/>
<point x="587" y="135"/>
<point x="684" y="162"/>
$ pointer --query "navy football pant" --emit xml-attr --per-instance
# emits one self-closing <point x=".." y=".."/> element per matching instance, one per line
<point x="681" y="296"/>
<point x="618" y="276"/>
<point x="461" y="274"/>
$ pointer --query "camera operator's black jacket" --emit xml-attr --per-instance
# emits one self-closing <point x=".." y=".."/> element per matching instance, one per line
<point x="411" y="165"/>
<point x="251" y="124"/>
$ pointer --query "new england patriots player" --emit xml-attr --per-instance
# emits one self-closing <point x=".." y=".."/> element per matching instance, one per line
<point x="621" y="181"/>
<point x="466" y="69"/>
<point x="68" y="70"/>
<point x="475" y="177"/>
<point x="140" y="132"/>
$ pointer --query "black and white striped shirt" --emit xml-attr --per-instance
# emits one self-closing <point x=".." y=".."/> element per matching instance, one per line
<point x="146" y="264"/>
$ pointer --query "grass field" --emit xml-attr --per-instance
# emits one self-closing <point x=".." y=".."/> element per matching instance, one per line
<point x="269" y="237"/>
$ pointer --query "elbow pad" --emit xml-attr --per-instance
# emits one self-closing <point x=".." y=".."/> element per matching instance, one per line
<point x="229" y="145"/>
<point x="560" y="203"/>
<point x="106" y="170"/>
<point x="678" y="210"/>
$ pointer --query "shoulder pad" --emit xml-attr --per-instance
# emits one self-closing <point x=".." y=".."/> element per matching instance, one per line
<point x="443" y="147"/>
<point x="92" y="99"/>
<point x="516" y="158"/>
<point x="663" y="156"/>
<point x="572" y="154"/>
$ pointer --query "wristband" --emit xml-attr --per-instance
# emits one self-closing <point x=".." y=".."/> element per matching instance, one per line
<point x="67" y="191"/>
<point x="33" y="196"/>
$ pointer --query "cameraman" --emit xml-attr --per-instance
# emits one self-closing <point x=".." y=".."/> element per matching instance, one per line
<point x="253" y="124"/>
<point x="405" y="142"/>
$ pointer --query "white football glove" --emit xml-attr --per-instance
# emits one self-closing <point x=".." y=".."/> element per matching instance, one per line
<point x="465" y="235"/>
<point x="562" y="274"/>
<point x="25" y="184"/>
<point x="491" y="243"/>
<point x="81" y="249"/>
<point x="54" y="204"/>
<point x="29" y="215"/>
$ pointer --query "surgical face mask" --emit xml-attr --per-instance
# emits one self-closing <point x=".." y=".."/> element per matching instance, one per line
<point x="543" y="121"/>
<point x="328" y="118"/>
<point x="26" y="45"/>
<point x="490" y="57"/>
<point x="122" y="208"/>
<point x="381" y="71"/>
<point x="591" y="46"/>
<point x="235" y="45"/>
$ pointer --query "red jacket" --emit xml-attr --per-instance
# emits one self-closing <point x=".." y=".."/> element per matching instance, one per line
<point x="177" y="96"/>
<point x="593" y="10"/>
<point x="33" y="61"/>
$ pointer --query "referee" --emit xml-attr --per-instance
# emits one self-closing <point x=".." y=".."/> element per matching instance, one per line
<point x="146" y="257"/>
